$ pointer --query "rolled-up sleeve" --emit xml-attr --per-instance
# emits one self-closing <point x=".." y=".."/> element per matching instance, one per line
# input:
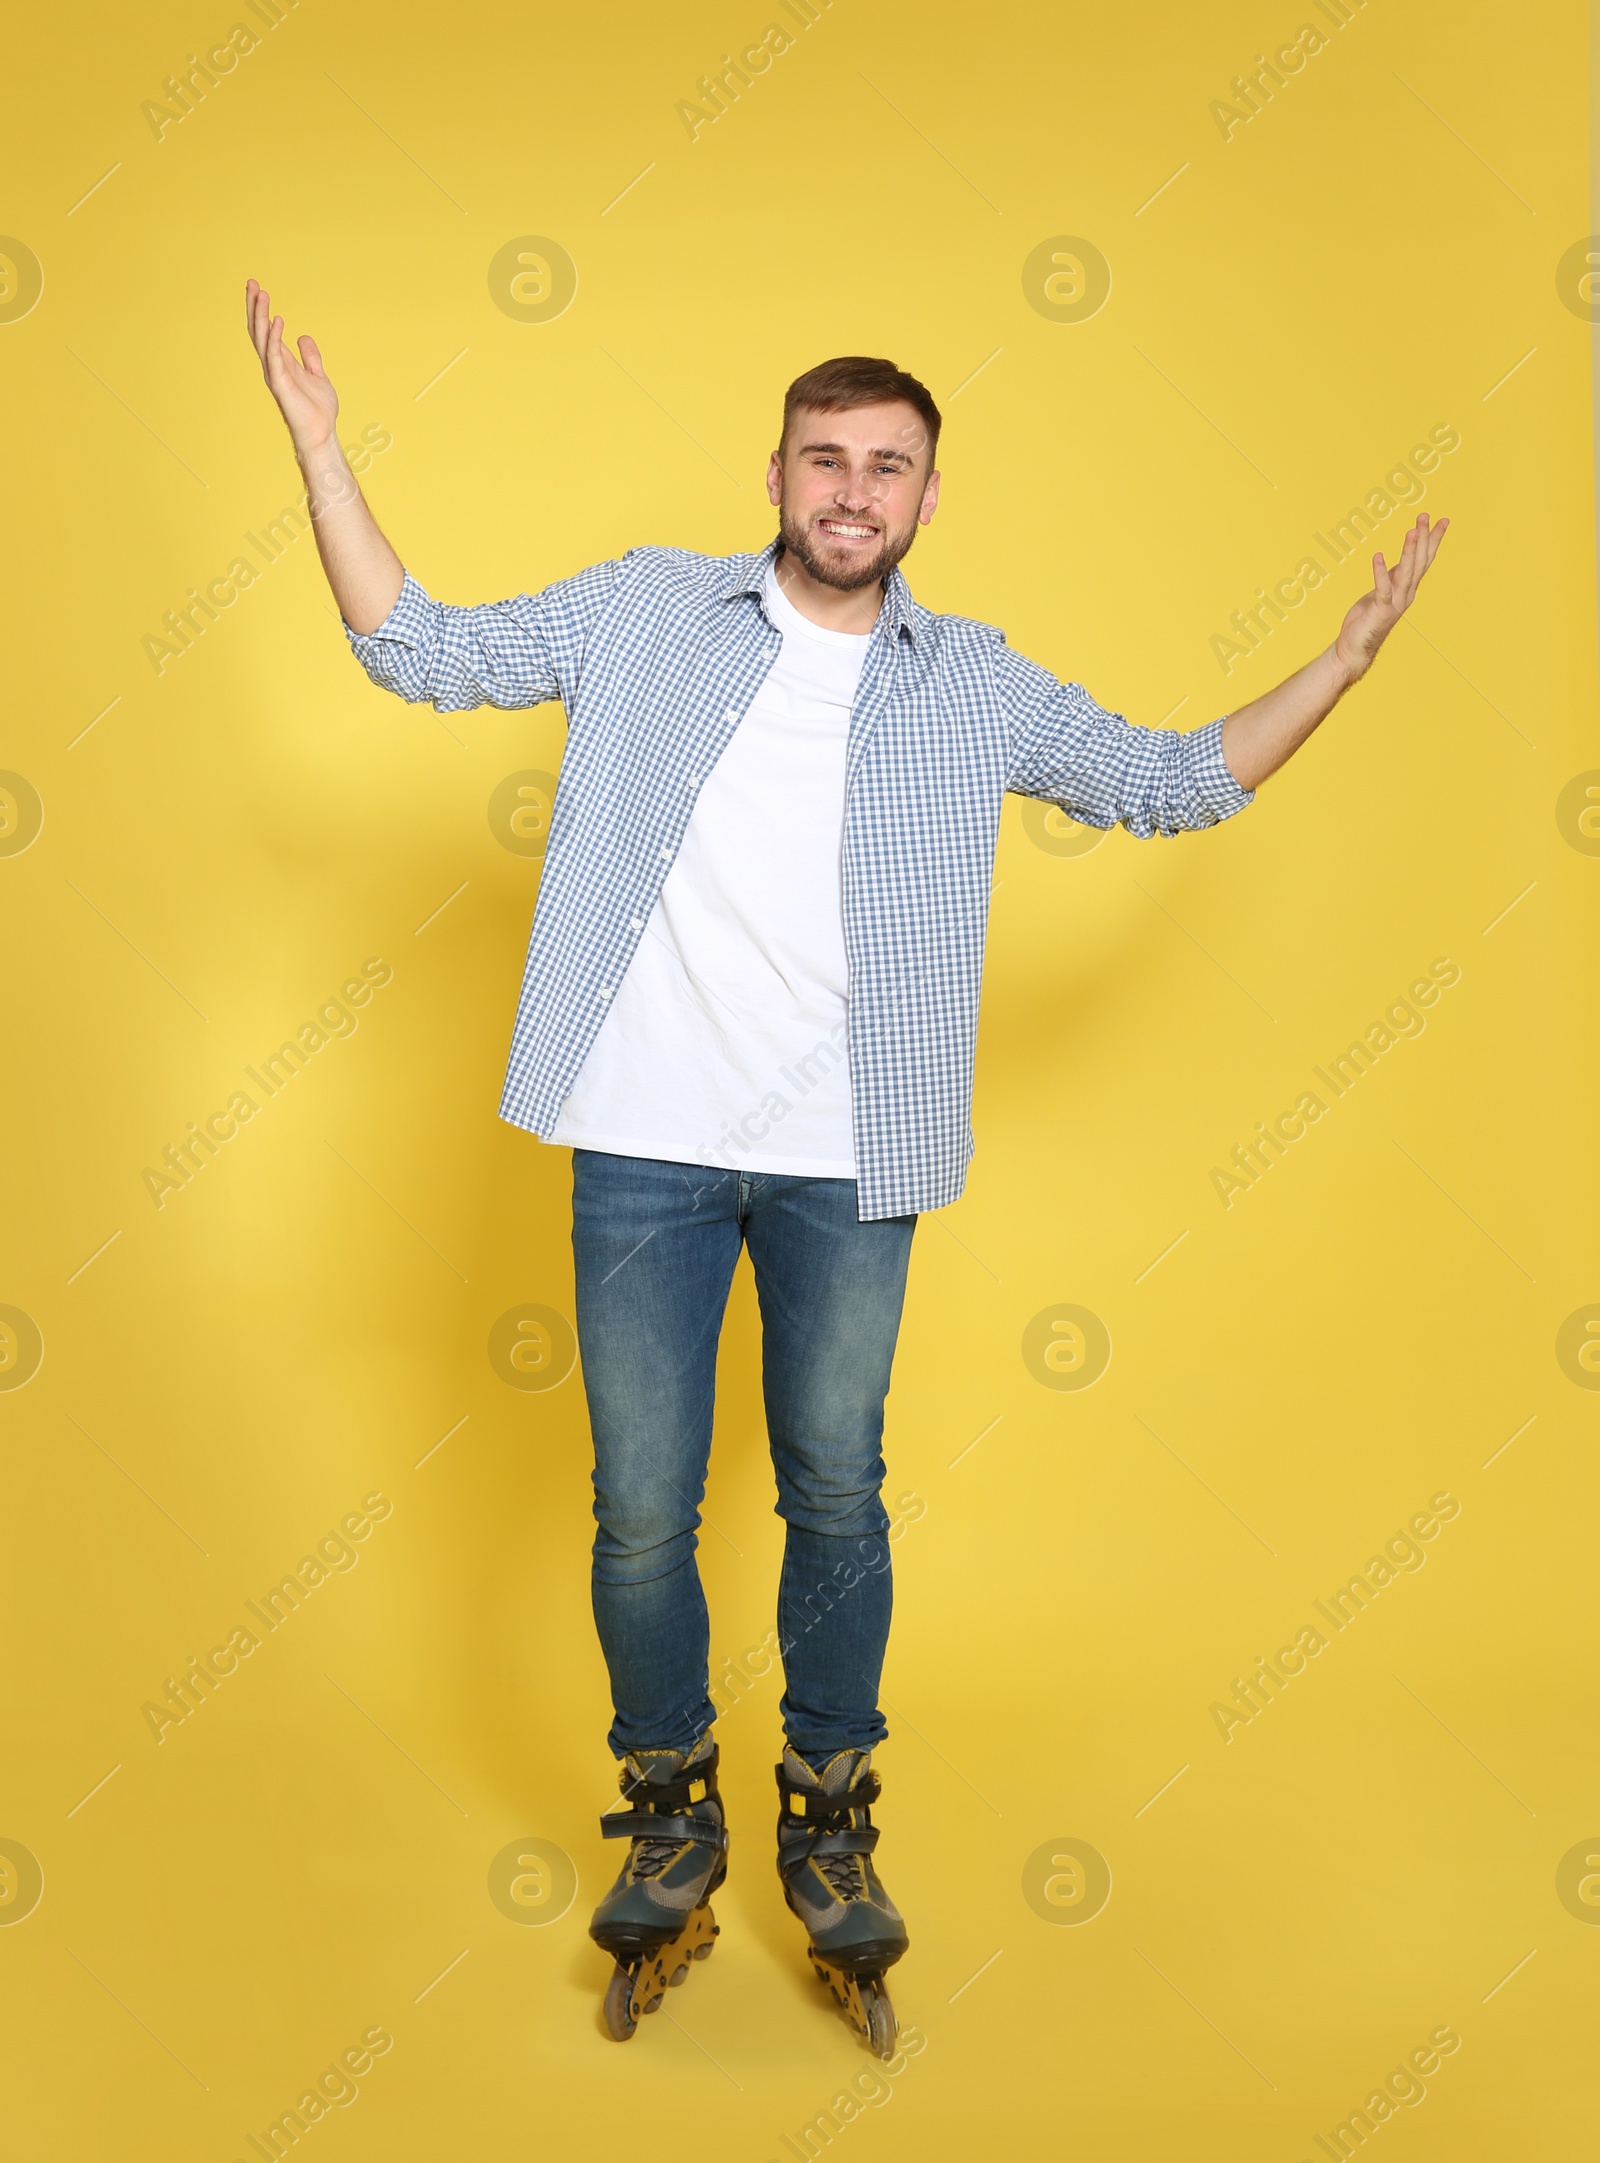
<point x="506" y="653"/>
<point x="1104" y="771"/>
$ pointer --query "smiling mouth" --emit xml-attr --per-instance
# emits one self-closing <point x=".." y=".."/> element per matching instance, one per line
<point x="850" y="531"/>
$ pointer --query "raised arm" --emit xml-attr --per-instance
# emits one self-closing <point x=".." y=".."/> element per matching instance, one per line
<point x="365" y="573"/>
<point x="1261" y="736"/>
<point x="1095" y="765"/>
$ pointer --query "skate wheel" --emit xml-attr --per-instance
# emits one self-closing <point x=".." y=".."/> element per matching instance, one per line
<point x="703" y="1952"/>
<point x="653" y="2005"/>
<point x="883" y="2030"/>
<point x="618" y="2007"/>
<point x="679" y="1975"/>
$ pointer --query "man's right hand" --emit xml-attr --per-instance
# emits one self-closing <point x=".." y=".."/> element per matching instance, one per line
<point x="363" y="570"/>
<point x="306" y="399"/>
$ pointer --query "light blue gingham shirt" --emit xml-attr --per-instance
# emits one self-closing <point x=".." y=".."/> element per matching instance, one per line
<point x="655" y="657"/>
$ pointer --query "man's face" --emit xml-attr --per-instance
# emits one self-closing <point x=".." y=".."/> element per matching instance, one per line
<point x="851" y="490"/>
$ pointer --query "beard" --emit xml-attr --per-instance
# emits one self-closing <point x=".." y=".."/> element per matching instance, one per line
<point x="843" y="569"/>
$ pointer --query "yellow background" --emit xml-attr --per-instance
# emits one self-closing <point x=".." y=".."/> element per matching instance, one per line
<point x="300" y="1326"/>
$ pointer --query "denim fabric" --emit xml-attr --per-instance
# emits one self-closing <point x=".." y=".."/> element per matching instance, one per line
<point x="655" y="1245"/>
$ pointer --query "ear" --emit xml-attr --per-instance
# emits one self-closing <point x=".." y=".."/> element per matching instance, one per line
<point x="930" y="499"/>
<point x="774" y="479"/>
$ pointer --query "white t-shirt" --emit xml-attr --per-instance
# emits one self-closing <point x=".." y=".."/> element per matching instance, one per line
<point x="727" y="1043"/>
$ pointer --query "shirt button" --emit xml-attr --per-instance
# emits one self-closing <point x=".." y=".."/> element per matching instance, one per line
<point x="666" y="856"/>
<point x="605" y="991"/>
<point x="636" y="923"/>
<point x="732" y="714"/>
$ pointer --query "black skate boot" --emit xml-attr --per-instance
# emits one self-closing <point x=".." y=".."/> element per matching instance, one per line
<point x="657" y="1917"/>
<point x="825" y="1841"/>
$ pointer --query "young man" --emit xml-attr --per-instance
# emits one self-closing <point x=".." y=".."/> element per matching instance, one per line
<point x="749" y="1007"/>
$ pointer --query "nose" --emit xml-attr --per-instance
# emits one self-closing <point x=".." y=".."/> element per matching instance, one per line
<point x="855" y="494"/>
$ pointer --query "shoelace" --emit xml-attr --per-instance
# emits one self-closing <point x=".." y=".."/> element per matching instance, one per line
<point x="846" y="1875"/>
<point x="651" y="1856"/>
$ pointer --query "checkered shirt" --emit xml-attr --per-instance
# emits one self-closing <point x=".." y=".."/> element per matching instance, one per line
<point x="656" y="656"/>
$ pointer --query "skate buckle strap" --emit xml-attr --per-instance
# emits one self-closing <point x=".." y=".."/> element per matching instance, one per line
<point x="855" y="1840"/>
<point x="657" y="1825"/>
<point x="693" y="1784"/>
<point x="673" y="1794"/>
<point x="844" y="1840"/>
<point x="817" y="1808"/>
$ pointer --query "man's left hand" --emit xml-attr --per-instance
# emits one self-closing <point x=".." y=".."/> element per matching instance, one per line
<point x="1376" y="613"/>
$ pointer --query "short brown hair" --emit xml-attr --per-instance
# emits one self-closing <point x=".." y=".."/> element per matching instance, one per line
<point x="855" y="379"/>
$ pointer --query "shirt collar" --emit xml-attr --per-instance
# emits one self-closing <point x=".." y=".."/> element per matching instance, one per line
<point x="897" y="615"/>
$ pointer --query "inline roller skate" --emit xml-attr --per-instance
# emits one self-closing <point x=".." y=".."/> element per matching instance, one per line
<point x="854" y="1930"/>
<point x="657" y="1917"/>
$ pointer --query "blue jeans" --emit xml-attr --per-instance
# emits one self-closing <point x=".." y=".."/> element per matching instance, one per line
<point x="655" y="1245"/>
